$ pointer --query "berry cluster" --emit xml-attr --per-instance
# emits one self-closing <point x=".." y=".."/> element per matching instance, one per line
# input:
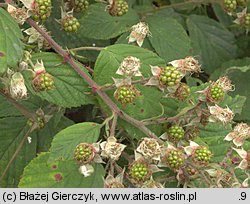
<point x="182" y="92"/>
<point x="40" y="122"/>
<point x="242" y="2"/>
<point x="202" y="155"/>
<point x="126" y="94"/>
<point x="230" y="5"/>
<point x="84" y="153"/>
<point x="176" y="132"/>
<point x="174" y="159"/>
<point x="245" y="21"/>
<point x="216" y="93"/>
<point x="43" y="82"/>
<point x="81" y="5"/>
<point x="42" y="10"/>
<point x="119" y="8"/>
<point x="139" y="171"/>
<point x="70" y="23"/>
<point x="170" y="76"/>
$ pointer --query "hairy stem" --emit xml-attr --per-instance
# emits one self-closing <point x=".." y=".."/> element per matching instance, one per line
<point x="95" y="87"/>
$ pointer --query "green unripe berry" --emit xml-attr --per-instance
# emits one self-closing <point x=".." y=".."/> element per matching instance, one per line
<point x="42" y="10"/>
<point x="81" y="5"/>
<point x="84" y="153"/>
<point x="139" y="171"/>
<point x="202" y="155"/>
<point x="126" y="94"/>
<point x="230" y="5"/>
<point x="216" y="93"/>
<point x="174" y="159"/>
<point x="169" y="76"/>
<point x="70" y="24"/>
<point x="176" y="132"/>
<point x="118" y="8"/>
<point x="43" y="82"/>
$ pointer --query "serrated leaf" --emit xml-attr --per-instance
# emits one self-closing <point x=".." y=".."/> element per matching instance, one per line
<point x="8" y="110"/>
<point x="99" y="24"/>
<point x="240" y="80"/>
<point x="213" y="43"/>
<point x="11" y="47"/>
<point x="64" y="143"/>
<point x="213" y="135"/>
<point x="235" y="103"/>
<point x="61" y="174"/>
<point x="13" y="129"/>
<point x="70" y="89"/>
<point x="169" y="38"/>
<point x="106" y="66"/>
<point x="72" y="40"/>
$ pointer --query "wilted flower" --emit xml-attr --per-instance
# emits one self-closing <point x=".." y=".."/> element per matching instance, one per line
<point x="243" y="19"/>
<point x="224" y="115"/>
<point x="239" y="134"/>
<point x="187" y="65"/>
<point x="245" y="183"/>
<point x="29" y="4"/>
<point x="245" y="155"/>
<point x="19" y="14"/>
<point x="86" y="170"/>
<point x="130" y="67"/>
<point x="17" y="88"/>
<point x="117" y="182"/>
<point x="150" y="149"/>
<point x="138" y="33"/>
<point x="152" y="184"/>
<point x="36" y="37"/>
<point x="182" y="92"/>
<point x="111" y="148"/>
<point x="225" y="83"/>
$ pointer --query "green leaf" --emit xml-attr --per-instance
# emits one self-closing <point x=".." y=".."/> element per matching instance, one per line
<point x="72" y="40"/>
<point x="211" y="41"/>
<point x="11" y="47"/>
<point x="8" y="110"/>
<point x="14" y="129"/>
<point x="240" y="79"/>
<point x="169" y="38"/>
<point x="213" y="135"/>
<point x="106" y="66"/>
<point x="99" y="24"/>
<point x="70" y="89"/>
<point x="64" y="143"/>
<point x="60" y="174"/>
<point x="234" y="103"/>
